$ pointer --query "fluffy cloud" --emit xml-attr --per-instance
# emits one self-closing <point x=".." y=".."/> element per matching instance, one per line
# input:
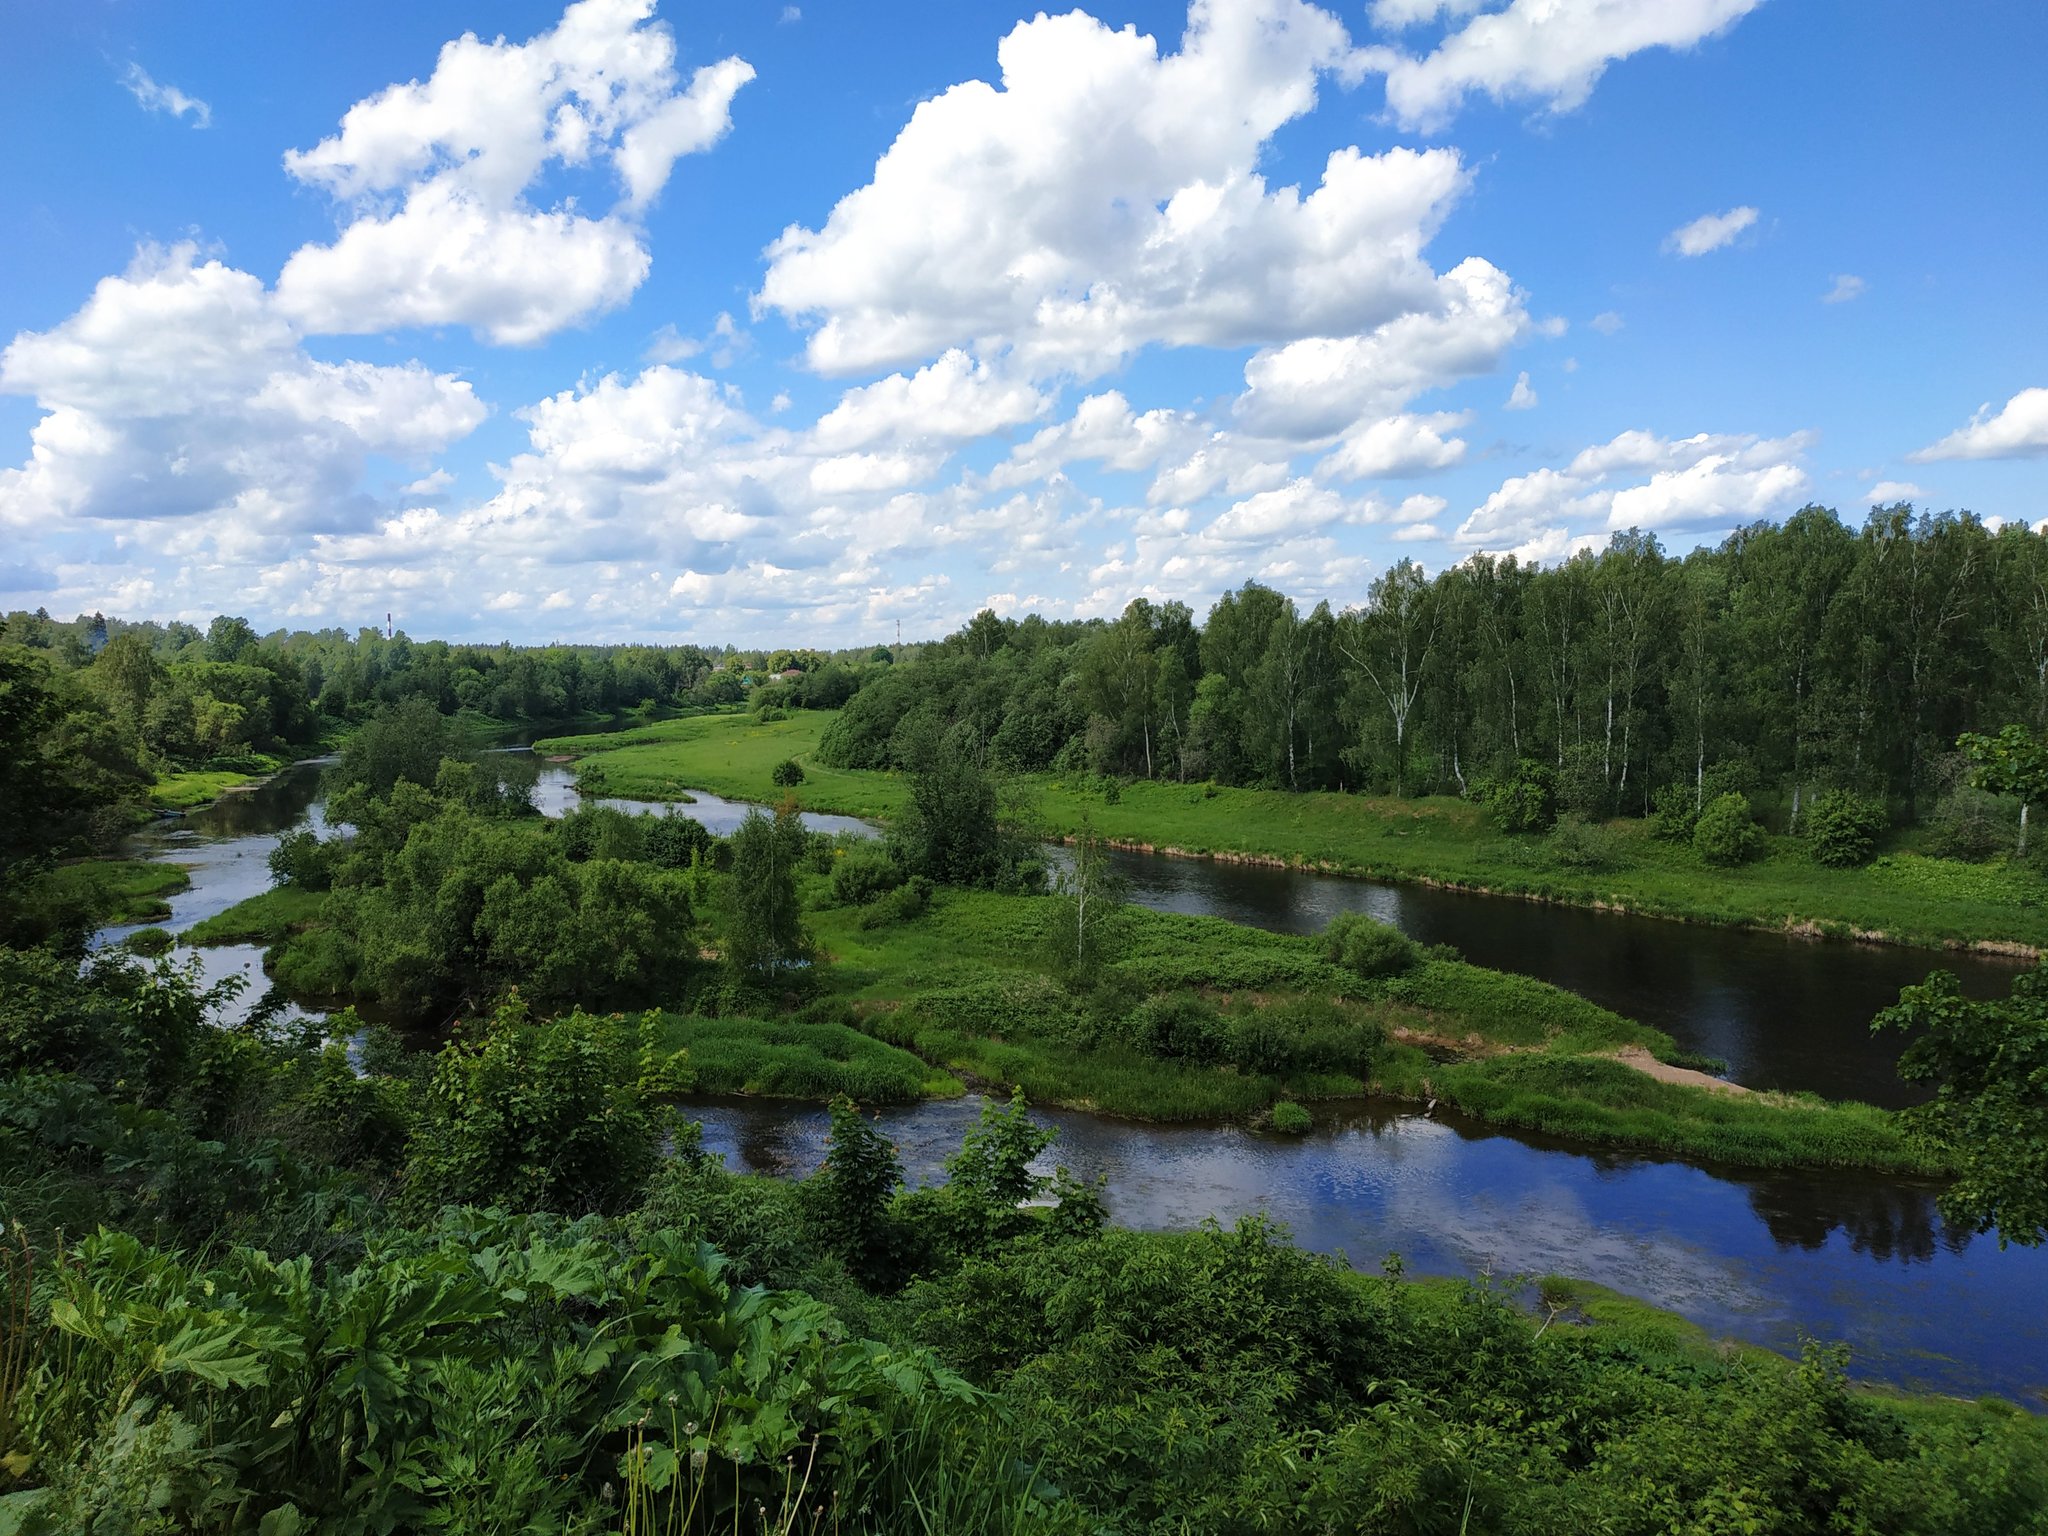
<point x="1321" y="385"/>
<point x="1522" y="397"/>
<point x="1104" y="197"/>
<point x="157" y="97"/>
<point x="1395" y="446"/>
<point x="1847" y="286"/>
<point x="1705" y="481"/>
<point x="951" y="400"/>
<point x="1103" y="430"/>
<point x="435" y="176"/>
<point x="2019" y="431"/>
<point x="178" y="390"/>
<point x="1546" y="51"/>
<point x="1709" y="232"/>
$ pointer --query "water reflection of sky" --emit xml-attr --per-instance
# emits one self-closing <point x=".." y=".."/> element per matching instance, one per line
<point x="1768" y="1259"/>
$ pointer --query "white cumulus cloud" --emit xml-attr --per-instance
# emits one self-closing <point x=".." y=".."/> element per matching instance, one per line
<point x="2018" y="431"/>
<point x="1103" y="197"/>
<point x="178" y="390"/>
<point x="1551" y="52"/>
<point x="434" y="179"/>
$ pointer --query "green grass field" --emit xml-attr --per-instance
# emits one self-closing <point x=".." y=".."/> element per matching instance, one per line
<point x="117" y="891"/>
<point x="1904" y="898"/>
<point x="188" y="789"/>
<point x="801" y="1059"/>
<point x="265" y="919"/>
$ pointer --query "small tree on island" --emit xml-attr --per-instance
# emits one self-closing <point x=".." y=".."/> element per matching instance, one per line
<point x="1089" y="912"/>
<point x="765" y="931"/>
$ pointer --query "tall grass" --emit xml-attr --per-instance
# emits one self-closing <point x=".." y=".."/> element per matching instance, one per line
<point x="797" y="1059"/>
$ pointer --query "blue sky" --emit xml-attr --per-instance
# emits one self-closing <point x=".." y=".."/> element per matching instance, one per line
<point x="779" y="322"/>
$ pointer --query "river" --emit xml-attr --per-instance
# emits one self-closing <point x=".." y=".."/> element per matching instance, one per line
<point x="1761" y="1257"/>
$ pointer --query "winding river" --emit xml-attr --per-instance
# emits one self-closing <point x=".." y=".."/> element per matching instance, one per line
<point x="1769" y="1258"/>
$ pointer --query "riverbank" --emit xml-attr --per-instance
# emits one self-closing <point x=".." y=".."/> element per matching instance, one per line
<point x="1900" y="898"/>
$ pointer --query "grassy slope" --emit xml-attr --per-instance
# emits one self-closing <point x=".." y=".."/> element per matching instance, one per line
<point x="801" y="1059"/>
<point x="1904" y="897"/>
<point x="118" y="891"/>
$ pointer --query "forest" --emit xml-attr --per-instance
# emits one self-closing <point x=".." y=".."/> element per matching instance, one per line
<point x="425" y="1237"/>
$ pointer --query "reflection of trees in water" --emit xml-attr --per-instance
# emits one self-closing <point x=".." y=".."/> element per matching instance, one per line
<point x="1883" y="1219"/>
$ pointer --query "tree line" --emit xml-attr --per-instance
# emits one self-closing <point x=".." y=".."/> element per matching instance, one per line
<point x="1792" y="658"/>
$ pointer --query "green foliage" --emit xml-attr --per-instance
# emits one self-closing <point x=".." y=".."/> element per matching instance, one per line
<point x="801" y="1059"/>
<point x="1677" y="812"/>
<point x="1290" y="1119"/>
<point x="1367" y="947"/>
<point x="1842" y="828"/>
<point x="1726" y="834"/>
<point x="1578" y="844"/>
<point x="852" y="1192"/>
<point x="1526" y="801"/>
<point x="1970" y="824"/>
<point x="764" y="929"/>
<point x="788" y="773"/>
<point x="1087" y="923"/>
<point x="404" y="742"/>
<point x="561" y="1115"/>
<point x="860" y="875"/>
<point x="1987" y="1063"/>
<point x="912" y="899"/>
<point x="304" y="861"/>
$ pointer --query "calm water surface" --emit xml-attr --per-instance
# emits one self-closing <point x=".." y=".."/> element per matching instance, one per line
<point x="1772" y="1259"/>
<point x="1767" y="1258"/>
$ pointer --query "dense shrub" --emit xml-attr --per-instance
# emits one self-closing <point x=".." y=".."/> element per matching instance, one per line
<point x="671" y="841"/>
<point x="862" y="875"/>
<point x="911" y="899"/>
<point x="788" y="773"/>
<point x="1180" y="1027"/>
<point x="1367" y="946"/>
<point x="1578" y="844"/>
<point x="563" y="1115"/>
<point x="1971" y="824"/>
<point x="1290" y="1119"/>
<point x="1525" y="802"/>
<point x="303" y="860"/>
<point x="1677" y="812"/>
<point x="1842" y="827"/>
<point x="1727" y="834"/>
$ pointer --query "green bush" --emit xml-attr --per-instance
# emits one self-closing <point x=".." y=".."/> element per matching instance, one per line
<point x="1971" y="824"/>
<point x="1179" y="1027"/>
<point x="1842" y="828"/>
<point x="304" y="860"/>
<point x="1290" y="1119"/>
<point x="1526" y="802"/>
<point x="1579" y="844"/>
<point x="149" y="942"/>
<point x="1366" y="946"/>
<point x="788" y="773"/>
<point x="860" y="876"/>
<point x="1677" y="812"/>
<point x="564" y="1115"/>
<point x="1727" y="834"/>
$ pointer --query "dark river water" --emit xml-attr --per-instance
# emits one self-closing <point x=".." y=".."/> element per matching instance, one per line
<point x="1763" y="1257"/>
<point x="1783" y="1012"/>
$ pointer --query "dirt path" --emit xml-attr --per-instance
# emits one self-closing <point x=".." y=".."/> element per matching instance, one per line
<point x="1635" y="1056"/>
